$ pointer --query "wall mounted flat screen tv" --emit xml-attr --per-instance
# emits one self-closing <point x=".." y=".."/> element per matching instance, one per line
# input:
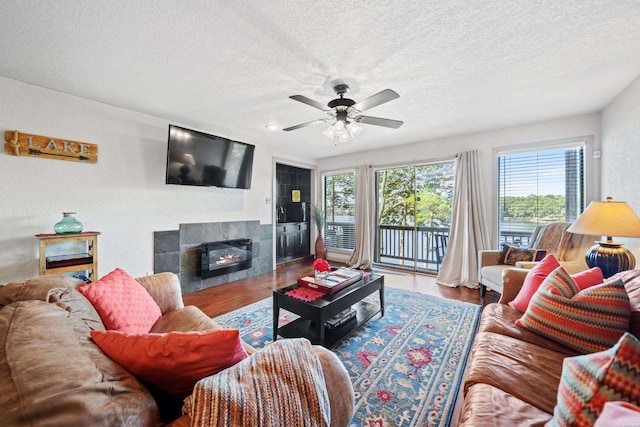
<point x="197" y="158"/>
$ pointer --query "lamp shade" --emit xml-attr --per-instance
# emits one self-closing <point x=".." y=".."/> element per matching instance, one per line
<point x="187" y="159"/>
<point x="607" y="219"/>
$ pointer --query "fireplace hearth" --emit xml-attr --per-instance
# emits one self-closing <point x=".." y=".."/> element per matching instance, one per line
<point x="226" y="256"/>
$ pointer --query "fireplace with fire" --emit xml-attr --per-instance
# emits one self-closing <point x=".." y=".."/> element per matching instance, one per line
<point x="225" y="257"/>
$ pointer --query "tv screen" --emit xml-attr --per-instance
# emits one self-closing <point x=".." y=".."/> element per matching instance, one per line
<point x="197" y="158"/>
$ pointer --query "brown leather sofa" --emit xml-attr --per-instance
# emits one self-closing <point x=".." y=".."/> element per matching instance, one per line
<point x="513" y="374"/>
<point x="52" y="373"/>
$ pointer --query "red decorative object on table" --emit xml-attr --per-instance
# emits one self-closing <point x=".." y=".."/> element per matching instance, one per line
<point x="321" y="265"/>
<point x="305" y="294"/>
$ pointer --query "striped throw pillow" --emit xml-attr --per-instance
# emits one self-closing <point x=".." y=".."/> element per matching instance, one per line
<point x="591" y="380"/>
<point x="587" y="321"/>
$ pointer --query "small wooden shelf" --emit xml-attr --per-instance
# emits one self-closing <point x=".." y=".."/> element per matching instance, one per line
<point x="68" y="263"/>
<point x="69" y="260"/>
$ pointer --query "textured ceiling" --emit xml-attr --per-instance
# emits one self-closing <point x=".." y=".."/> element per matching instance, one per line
<point x="228" y="67"/>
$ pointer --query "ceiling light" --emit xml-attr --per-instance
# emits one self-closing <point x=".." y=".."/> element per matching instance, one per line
<point x="343" y="131"/>
<point x="272" y="126"/>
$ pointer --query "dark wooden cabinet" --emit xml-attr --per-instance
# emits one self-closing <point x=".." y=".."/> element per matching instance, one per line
<point x="281" y="245"/>
<point x="304" y="248"/>
<point x="292" y="240"/>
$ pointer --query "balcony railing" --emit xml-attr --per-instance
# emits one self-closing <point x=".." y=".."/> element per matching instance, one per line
<point x="517" y="238"/>
<point x="397" y="245"/>
<point x="339" y="234"/>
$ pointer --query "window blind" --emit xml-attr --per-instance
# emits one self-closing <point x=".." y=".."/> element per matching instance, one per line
<point x="539" y="187"/>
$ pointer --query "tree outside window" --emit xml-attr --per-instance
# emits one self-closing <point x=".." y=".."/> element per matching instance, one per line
<point x="340" y="210"/>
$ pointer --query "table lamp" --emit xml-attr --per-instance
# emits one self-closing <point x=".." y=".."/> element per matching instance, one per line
<point x="608" y="219"/>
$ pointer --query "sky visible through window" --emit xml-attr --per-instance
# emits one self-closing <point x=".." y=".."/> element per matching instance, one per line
<point x="550" y="179"/>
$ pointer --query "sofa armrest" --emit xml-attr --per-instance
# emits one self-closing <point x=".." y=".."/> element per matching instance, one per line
<point x="512" y="280"/>
<point x="165" y="289"/>
<point x="526" y="264"/>
<point x="339" y="387"/>
<point x="488" y="257"/>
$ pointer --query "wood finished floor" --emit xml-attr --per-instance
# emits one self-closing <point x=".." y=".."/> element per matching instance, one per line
<point x="231" y="296"/>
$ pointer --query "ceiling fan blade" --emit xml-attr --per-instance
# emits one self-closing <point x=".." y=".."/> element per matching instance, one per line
<point x="375" y="100"/>
<point x="302" y="125"/>
<point x="309" y="101"/>
<point x="389" y="123"/>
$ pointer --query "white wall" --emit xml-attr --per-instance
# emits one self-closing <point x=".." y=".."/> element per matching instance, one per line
<point x="123" y="195"/>
<point x="621" y="152"/>
<point x="486" y="142"/>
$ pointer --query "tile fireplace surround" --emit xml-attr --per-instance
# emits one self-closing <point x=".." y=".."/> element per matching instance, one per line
<point x="178" y="251"/>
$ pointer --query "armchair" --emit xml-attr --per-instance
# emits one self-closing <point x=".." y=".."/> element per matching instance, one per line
<point x="553" y="238"/>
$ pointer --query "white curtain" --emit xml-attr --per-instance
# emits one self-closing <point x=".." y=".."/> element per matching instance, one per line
<point x="362" y="256"/>
<point x="469" y="232"/>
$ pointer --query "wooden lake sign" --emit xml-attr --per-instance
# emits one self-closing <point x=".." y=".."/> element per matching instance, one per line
<point x="24" y="144"/>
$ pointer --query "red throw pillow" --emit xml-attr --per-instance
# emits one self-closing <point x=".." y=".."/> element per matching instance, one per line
<point x="535" y="277"/>
<point x="588" y="278"/>
<point x="122" y="303"/>
<point x="532" y="282"/>
<point x="174" y="361"/>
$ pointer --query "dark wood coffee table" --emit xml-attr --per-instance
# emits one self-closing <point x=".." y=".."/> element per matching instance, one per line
<point x="314" y="314"/>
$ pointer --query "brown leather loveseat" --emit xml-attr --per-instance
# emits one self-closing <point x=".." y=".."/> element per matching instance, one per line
<point x="52" y="373"/>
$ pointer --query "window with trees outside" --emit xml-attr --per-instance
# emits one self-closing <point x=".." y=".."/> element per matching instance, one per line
<point x="538" y="187"/>
<point x="340" y="210"/>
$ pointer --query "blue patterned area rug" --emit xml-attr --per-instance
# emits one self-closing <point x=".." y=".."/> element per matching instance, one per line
<point x="406" y="367"/>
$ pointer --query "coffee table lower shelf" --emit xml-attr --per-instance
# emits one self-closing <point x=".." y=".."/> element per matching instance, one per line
<point x="306" y="328"/>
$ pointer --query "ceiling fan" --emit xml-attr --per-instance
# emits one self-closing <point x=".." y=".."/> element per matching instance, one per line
<point x="347" y="113"/>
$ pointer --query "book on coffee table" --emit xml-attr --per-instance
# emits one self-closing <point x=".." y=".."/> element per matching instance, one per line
<point x="335" y="280"/>
<point x="341" y="318"/>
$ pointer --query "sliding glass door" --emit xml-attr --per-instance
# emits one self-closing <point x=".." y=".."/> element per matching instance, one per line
<point x="413" y="215"/>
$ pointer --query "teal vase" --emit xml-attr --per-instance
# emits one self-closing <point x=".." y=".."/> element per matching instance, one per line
<point x="68" y="224"/>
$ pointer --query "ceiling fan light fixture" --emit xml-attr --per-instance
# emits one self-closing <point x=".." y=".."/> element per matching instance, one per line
<point x="344" y="137"/>
<point x="330" y="132"/>
<point x="343" y="131"/>
<point x="353" y="129"/>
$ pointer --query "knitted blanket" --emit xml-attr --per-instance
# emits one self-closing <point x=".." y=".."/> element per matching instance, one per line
<point x="554" y="239"/>
<point x="280" y="385"/>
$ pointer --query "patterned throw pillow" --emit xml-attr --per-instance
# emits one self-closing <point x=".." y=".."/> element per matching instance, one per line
<point x="512" y="254"/>
<point x="122" y="303"/>
<point x="588" y="321"/>
<point x="591" y="380"/>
